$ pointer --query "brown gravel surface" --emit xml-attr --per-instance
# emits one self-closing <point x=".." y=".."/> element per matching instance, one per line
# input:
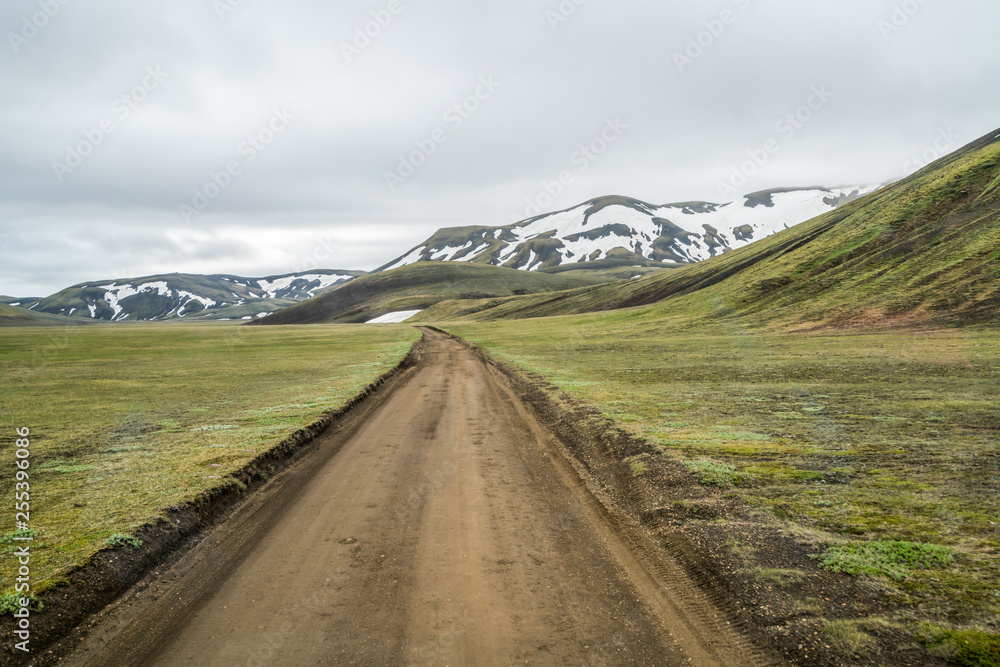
<point x="447" y="527"/>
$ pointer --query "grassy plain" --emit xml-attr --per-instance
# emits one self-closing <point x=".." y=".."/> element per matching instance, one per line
<point x="129" y="420"/>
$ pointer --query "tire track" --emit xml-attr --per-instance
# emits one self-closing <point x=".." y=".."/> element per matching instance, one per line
<point x="447" y="527"/>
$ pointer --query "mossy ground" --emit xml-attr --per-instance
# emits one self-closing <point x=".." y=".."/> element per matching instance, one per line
<point x="852" y="436"/>
<point x="127" y="421"/>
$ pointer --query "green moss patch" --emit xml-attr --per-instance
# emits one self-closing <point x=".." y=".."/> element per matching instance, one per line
<point x="711" y="473"/>
<point x="887" y="559"/>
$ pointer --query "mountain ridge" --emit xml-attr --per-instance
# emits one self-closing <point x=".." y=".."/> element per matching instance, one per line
<point x="625" y="229"/>
<point x="925" y="248"/>
<point x="183" y="295"/>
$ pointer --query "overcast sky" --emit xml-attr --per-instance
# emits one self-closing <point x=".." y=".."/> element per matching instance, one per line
<point x="258" y="138"/>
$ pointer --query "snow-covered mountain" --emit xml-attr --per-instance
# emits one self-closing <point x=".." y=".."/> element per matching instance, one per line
<point x="610" y="230"/>
<point x="217" y="297"/>
<point x="629" y="230"/>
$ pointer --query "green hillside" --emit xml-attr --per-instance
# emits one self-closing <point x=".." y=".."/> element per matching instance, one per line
<point x="22" y="317"/>
<point x="18" y="301"/>
<point x="420" y="286"/>
<point x="923" y="249"/>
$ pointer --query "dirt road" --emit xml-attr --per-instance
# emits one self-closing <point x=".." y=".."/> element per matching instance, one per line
<point x="446" y="528"/>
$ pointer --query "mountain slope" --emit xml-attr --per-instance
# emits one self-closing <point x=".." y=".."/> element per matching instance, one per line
<point x="19" y="302"/>
<point x="11" y="316"/>
<point x="630" y="231"/>
<point x="925" y="248"/>
<point x="418" y="287"/>
<point x="185" y="296"/>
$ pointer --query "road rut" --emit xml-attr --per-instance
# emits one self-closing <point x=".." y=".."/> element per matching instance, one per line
<point x="446" y="528"/>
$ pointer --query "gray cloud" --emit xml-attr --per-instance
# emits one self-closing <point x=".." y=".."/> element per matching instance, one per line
<point x="898" y="82"/>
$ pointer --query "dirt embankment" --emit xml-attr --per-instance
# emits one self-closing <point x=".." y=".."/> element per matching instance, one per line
<point x="112" y="572"/>
<point x="756" y="571"/>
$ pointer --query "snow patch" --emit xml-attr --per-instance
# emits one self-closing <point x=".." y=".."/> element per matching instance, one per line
<point x="412" y="258"/>
<point x="115" y="293"/>
<point x="205" y="301"/>
<point x="395" y="318"/>
<point x="475" y="253"/>
<point x="189" y="297"/>
<point x="531" y="260"/>
<point x="447" y="253"/>
<point x="272" y="287"/>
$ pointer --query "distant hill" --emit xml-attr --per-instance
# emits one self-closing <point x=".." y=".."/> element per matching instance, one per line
<point x="924" y="249"/>
<point x="627" y="231"/>
<point x="19" y="302"/>
<point x="180" y="296"/>
<point x="420" y="286"/>
<point x="11" y="316"/>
